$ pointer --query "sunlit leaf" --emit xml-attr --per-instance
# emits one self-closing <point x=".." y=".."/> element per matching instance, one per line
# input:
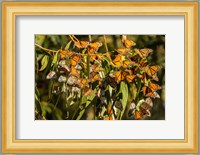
<point x="55" y="58"/>
<point x="124" y="91"/>
<point x="44" y="62"/>
<point x="68" y="45"/>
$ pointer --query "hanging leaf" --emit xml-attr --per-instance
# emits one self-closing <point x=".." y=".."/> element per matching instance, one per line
<point x="124" y="91"/>
<point x="68" y="45"/>
<point x="55" y="58"/>
<point x="44" y="62"/>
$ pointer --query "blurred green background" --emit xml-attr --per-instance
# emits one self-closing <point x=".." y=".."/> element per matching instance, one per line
<point x="56" y="42"/>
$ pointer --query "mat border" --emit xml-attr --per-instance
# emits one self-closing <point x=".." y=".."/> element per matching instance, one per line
<point x="187" y="9"/>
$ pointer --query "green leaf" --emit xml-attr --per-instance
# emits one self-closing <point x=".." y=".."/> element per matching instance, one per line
<point x="55" y="58"/>
<point x="68" y="45"/>
<point x="124" y="91"/>
<point x="39" y="56"/>
<point x="45" y="60"/>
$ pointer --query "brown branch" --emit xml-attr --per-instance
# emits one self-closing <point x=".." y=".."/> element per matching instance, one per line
<point x="45" y="49"/>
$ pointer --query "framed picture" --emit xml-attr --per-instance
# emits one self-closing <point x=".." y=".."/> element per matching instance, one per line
<point x="106" y="77"/>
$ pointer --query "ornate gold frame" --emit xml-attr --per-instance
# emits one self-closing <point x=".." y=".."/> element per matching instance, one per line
<point x="187" y="9"/>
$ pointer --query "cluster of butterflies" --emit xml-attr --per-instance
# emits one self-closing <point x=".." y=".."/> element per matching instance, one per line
<point x="127" y="65"/>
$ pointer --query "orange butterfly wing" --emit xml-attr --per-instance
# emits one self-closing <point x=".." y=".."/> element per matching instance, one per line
<point x="74" y="72"/>
<point x="137" y="115"/>
<point x="75" y="60"/>
<point x="130" y="78"/>
<point x="154" y="87"/>
<point x="81" y="44"/>
<point x="143" y="53"/>
<point x="93" y="47"/>
<point x="151" y="70"/>
<point x="127" y="63"/>
<point x="129" y="43"/>
<point x="118" y="60"/>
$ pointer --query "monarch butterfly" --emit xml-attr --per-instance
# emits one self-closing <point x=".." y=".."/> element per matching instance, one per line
<point x="65" y="53"/>
<point x="127" y="43"/>
<point x="62" y="79"/>
<point x="82" y="82"/>
<point x="143" y="63"/>
<point x="74" y="72"/>
<point x="147" y="104"/>
<point x="88" y="91"/>
<point x="95" y="77"/>
<point x="81" y="44"/>
<point x="95" y="57"/>
<point x="51" y="75"/>
<point x="150" y="91"/>
<point x="96" y="68"/>
<point x="138" y="115"/>
<point x="118" y="60"/>
<point x="123" y="75"/>
<point x="151" y="70"/>
<point x="124" y="51"/>
<point x="142" y="77"/>
<point x="128" y="63"/>
<point x="63" y="67"/>
<point x="143" y="53"/>
<point x="93" y="47"/>
<point x="75" y="60"/>
<point x="72" y="80"/>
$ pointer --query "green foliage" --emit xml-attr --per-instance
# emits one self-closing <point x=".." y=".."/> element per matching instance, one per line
<point x="99" y="79"/>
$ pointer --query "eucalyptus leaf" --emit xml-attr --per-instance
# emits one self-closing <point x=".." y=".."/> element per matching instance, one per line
<point x="55" y="58"/>
<point x="44" y="62"/>
<point x="68" y="45"/>
<point x="124" y="91"/>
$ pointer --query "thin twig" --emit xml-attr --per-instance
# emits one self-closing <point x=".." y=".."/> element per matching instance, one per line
<point x="105" y="42"/>
<point x="45" y="49"/>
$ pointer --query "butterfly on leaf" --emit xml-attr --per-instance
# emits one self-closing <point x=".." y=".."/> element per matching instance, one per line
<point x="147" y="104"/>
<point x="72" y="80"/>
<point x="87" y="91"/>
<point x="95" y="58"/>
<point x="143" y="53"/>
<point x="95" y="77"/>
<point x="95" y="68"/>
<point x="62" y="78"/>
<point x="82" y="82"/>
<point x="65" y="53"/>
<point x="127" y="63"/>
<point x="81" y="44"/>
<point x="120" y="61"/>
<point x="78" y="43"/>
<point x="150" y="90"/>
<point x="123" y="75"/>
<point x="75" y="60"/>
<point x="94" y="47"/>
<point x="124" y="51"/>
<point x="142" y="77"/>
<point x="74" y="72"/>
<point x="152" y="71"/>
<point x="63" y="68"/>
<point x="51" y="75"/>
<point x="127" y="43"/>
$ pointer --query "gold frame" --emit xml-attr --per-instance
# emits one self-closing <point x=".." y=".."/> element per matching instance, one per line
<point x="187" y="9"/>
